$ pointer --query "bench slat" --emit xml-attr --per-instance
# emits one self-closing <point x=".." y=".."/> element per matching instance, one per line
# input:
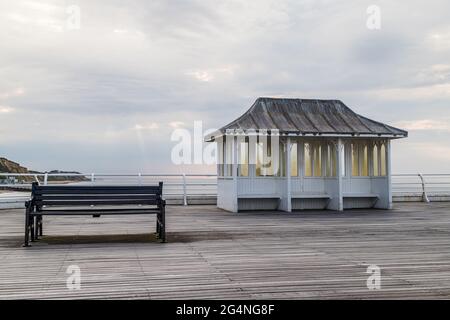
<point x="92" y="212"/>
<point x="103" y="187"/>
<point x="89" y="190"/>
<point x="310" y="196"/>
<point x="116" y="209"/>
<point x="360" y="195"/>
<point x="96" y="197"/>
<point x="94" y="202"/>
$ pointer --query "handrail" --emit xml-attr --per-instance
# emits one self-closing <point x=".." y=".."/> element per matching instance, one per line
<point x="173" y="182"/>
<point x="184" y="185"/>
<point x="424" y="191"/>
<point x="429" y="184"/>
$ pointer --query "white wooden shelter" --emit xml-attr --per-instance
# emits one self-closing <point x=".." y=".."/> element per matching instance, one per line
<point x="328" y="157"/>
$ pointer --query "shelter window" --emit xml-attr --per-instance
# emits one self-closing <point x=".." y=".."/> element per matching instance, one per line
<point x="266" y="161"/>
<point x="360" y="159"/>
<point x="330" y="161"/>
<point x="259" y="158"/>
<point x="317" y="160"/>
<point x="355" y="159"/>
<point x="294" y="162"/>
<point x="342" y="160"/>
<point x="308" y="160"/>
<point x="383" y="160"/>
<point x="228" y="152"/>
<point x="376" y="171"/>
<point x="243" y="157"/>
<point x="220" y="149"/>
<point x="364" y="161"/>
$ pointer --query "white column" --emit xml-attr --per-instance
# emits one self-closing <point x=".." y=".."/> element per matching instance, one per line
<point x="388" y="173"/>
<point x="220" y="159"/>
<point x="340" y="165"/>
<point x="288" y="175"/>
<point x="252" y="140"/>
<point x="234" y="170"/>
<point x="301" y="162"/>
<point x="379" y="157"/>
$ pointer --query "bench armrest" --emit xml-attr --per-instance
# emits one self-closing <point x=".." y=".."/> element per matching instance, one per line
<point x="28" y="204"/>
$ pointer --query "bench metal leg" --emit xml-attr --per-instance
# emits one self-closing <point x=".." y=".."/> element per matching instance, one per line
<point x="163" y="224"/>
<point x="158" y="225"/>
<point x="36" y="228"/>
<point x="40" y="226"/>
<point x="32" y="229"/>
<point x="26" y="242"/>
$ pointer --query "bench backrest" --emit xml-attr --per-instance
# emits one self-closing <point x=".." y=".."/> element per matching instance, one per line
<point x="75" y="195"/>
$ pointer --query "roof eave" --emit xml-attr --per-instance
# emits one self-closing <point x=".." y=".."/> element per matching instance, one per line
<point x="212" y="138"/>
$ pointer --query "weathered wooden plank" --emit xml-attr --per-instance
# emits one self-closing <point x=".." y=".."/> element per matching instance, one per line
<point x="214" y="254"/>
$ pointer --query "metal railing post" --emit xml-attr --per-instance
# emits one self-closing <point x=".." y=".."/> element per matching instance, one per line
<point x="140" y="178"/>
<point x="184" y="190"/>
<point x="424" y="191"/>
<point x="92" y="178"/>
<point x="45" y="178"/>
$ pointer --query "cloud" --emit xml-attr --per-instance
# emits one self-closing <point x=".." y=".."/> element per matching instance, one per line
<point x="14" y="93"/>
<point x="425" y="124"/>
<point x="176" y="124"/>
<point x="204" y="76"/>
<point x="211" y="74"/>
<point x="149" y="126"/>
<point x="433" y="151"/>
<point x="136" y="70"/>
<point x="422" y="93"/>
<point x="6" y="109"/>
<point x="439" y="40"/>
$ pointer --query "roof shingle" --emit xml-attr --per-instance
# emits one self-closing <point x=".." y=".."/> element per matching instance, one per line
<point x="308" y="116"/>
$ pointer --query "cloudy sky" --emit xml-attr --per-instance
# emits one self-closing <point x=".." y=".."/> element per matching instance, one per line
<point x="105" y="95"/>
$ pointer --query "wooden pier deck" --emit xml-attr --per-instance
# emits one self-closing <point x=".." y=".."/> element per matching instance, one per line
<point x="216" y="254"/>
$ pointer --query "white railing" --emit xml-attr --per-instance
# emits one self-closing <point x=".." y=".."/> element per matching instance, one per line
<point x="423" y="185"/>
<point x="183" y="186"/>
<point x="176" y="186"/>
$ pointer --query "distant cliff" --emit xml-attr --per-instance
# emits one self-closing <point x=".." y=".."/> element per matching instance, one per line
<point x="13" y="167"/>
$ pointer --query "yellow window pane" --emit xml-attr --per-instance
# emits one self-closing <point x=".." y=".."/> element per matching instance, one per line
<point x="243" y="159"/>
<point x="330" y="161"/>
<point x="383" y="159"/>
<point x="365" y="162"/>
<point x="375" y="161"/>
<point x="267" y="164"/>
<point x="333" y="161"/>
<point x="268" y="168"/>
<point x="294" y="168"/>
<point x="308" y="166"/>
<point x="355" y="160"/>
<point x="326" y="161"/>
<point x="259" y="158"/>
<point x="317" y="161"/>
